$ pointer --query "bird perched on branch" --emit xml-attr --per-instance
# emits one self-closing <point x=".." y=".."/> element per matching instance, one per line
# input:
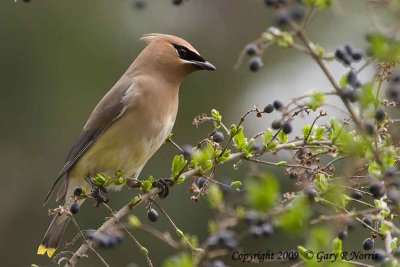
<point x="128" y="125"/>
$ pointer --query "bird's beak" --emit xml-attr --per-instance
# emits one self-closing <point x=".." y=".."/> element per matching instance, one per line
<point x="205" y="65"/>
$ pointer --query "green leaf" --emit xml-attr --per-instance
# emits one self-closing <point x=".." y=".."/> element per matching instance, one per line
<point x="236" y="185"/>
<point x="295" y="217"/>
<point x="319" y="132"/>
<point x="321" y="182"/>
<point x="317" y="99"/>
<point x="263" y="192"/>
<point x="178" y="163"/>
<point x="337" y="246"/>
<point x="367" y="95"/>
<point x="216" y="115"/>
<point x="267" y="136"/>
<point x="214" y="196"/>
<point x="306" y="131"/>
<point x="181" y="260"/>
<point x="343" y="80"/>
<point x="233" y="130"/>
<point x="146" y="185"/>
<point x="282" y="137"/>
<point x="383" y="48"/>
<point x="100" y="179"/>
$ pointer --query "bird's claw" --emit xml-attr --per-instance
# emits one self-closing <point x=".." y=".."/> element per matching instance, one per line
<point x="163" y="185"/>
<point x="96" y="193"/>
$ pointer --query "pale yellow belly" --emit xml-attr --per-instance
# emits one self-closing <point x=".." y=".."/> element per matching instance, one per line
<point x="126" y="146"/>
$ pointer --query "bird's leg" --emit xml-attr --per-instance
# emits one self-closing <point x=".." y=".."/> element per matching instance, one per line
<point x="96" y="193"/>
<point x="163" y="184"/>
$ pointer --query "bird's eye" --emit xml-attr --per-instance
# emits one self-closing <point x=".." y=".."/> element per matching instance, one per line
<point x="182" y="52"/>
<point x="187" y="54"/>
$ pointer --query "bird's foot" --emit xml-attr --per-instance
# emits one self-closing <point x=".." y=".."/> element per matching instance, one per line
<point x="96" y="193"/>
<point x="163" y="185"/>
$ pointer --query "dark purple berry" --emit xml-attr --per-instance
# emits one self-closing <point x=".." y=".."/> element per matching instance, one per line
<point x="152" y="214"/>
<point x="278" y="105"/>
<point x="218" y="137"/>
<point x="139" y="3"/>
<point x="380" y="114"/>
<point x="187" y="151"/>
<point x="357" y="55"/>
<point x="177" y="2"/>
<point x="348" y="49"/>
<point x="251" y="49"/>
<point x="342" y="56"/>
<point x="267" y="229"/>
<point x="286" y="128"/>
<point x="310" y="192"/>
<point x="367" y="221"/>
<point x="255" y="231"/>
<point x="390" y="171"/>
<point x="297" y="13"/>
<point x="369" y="128"/>
<point x="255" y="63"/>
<point x="349" y="94"/>
<point x="269" y="108"/>
<point x="201" y="181"/>
<point x="251" y="216"/>
<point x="368" y="244"/>
<point x="342" y="235"/>
<point x="352" y="79"/>
<point x="74" y="209"/>
<point x="282" y="17"/>
<point x="379" y="255"/>
<point x="377" y="190"/>
<point x="78" y="191"/>
<point x="276" y="125"/>
<point x="356" y="195"/>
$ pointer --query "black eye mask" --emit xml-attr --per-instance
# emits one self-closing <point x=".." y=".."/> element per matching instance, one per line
<point x="186" y="54"/>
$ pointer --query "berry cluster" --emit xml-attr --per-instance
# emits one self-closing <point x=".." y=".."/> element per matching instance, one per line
<point x="105" y="239"/>
<point x="286" y="12"/>
<point x="258" y="226"/>
<point x="346" y="55"/>
<point x="277" y="124"/>
<point x="222" y="240"/>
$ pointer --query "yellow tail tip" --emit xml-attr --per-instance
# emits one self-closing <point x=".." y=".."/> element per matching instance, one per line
<point x="42" y="250"/>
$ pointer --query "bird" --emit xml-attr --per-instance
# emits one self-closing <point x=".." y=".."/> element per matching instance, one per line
<point x="128" y="125"/>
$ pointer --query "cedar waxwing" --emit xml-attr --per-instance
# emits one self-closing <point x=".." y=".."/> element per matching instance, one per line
<point x="129" y="124"/>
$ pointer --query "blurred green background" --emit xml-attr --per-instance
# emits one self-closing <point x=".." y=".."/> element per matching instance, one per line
<point x="58" y="58"/>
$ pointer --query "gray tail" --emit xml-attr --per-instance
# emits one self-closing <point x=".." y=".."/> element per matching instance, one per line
<point x="52" y="238"/>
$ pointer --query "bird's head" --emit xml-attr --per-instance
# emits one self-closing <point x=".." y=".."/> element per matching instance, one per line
<point x="171" y="55"/>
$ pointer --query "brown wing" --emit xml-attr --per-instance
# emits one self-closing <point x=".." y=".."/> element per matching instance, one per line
<point x="107" y="111"/>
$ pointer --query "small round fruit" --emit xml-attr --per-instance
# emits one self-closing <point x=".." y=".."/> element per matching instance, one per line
<point x="255" y="63"/>
<point x="380" y="114"/>
<point x="368" y="244"/>
<point x="282" y="17"/>
<point x="342" y="235"/>
<point x="218" y="137"/>
<point x="78" y="191"/>
<point x="379" y="255"/>
<point x="349" y="94"/>
<point x="276" y="125"/>
<point x="377" y="190"/>
<point x="201" y="181"/>
<point x="251" y="49"/>
<point x="356" y="195"/>
<point x="342" y="56"/>
<point x="152" y="214"/>
<point x="367" y="221"/>
<point x="187" y="151"/>
<point x="357" y="55"/>
<point x="74" y="209"/>
<point x="310" y="192"/>
<point x="177" y="2"/>
<point x="369" y="128"/>
<point x="287" y="128"/>
<point x="269" y="108"/>
<point x="278" y="105"/>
